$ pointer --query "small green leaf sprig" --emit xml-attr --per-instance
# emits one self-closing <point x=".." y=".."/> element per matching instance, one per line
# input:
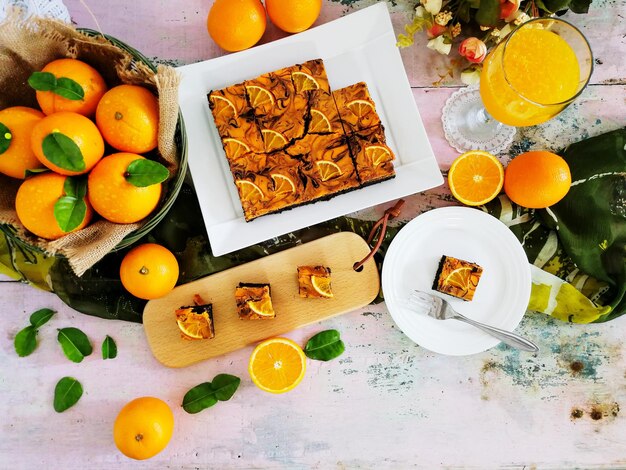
<point x="207" y="394"/>
<point x="25" y="341"/>
<point x="62" y="86"/>
<point x="325" y="346"/>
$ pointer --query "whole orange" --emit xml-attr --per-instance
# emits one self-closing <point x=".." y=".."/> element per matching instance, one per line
<point x="85" y="75"/>
<point x="537" y="179"/>
<point x="293" y="16"/>
<point x="54" y="153"/>
<point x="18" y="157"/>
<point x="35" y="201"/>
<point x="113" y="197"/>
<point x="236" y="25"/>
<point x="143" y="428"/>
<point x="149" y="271"/>
<point x="128" y="117"/>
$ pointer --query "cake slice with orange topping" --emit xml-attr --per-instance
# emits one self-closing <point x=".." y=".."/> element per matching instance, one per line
<point x="314" y="282"/>
<point x="457" y="277"/>
<point x="373" y="159"/>
<point x="356" y="108"/>
<point x="254" y="302"/>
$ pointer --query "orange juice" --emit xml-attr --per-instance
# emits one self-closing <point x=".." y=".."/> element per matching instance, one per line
<point x="537" y="77"/>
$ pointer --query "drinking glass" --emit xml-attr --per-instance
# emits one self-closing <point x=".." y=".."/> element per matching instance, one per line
<point x="527" y="79"/>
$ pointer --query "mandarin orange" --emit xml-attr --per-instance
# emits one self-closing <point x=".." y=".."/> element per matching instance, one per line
<point x="236" y="25"/>
<point x="149" y="271"/>
<point x="293" y="16"/>
<point x="18" y="122"/>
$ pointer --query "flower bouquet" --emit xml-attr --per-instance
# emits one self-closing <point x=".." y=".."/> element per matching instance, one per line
<point x="483" y="23"/>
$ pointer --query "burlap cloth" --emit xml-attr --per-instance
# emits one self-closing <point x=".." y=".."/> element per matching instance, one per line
<point x="26" y="47"/>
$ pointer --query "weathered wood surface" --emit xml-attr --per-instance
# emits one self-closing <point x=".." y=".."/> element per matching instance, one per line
<point x="386" y="403"/>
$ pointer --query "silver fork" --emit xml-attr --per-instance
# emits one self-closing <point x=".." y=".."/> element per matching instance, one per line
<point x="440" y="309"/>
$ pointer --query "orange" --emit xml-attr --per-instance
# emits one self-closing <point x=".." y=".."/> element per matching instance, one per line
<point x="128" y="117"/>
<point x="77" y="128"/>
<point x="149" y="271"/>
<point x="475" y="178"/>
<point x="35" y="201"/>
<point x="537" y="179"/>
<point x="85" y="75"/>
<point x="277" y="365"/>
<point x="19" y="156"/>
<point x="143" y="428"/>
<point x="293" y="16"/>
<point x="236" y="25"/>
<point x="113" y="197"/>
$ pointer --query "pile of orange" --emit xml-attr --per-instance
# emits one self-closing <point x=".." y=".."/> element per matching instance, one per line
<point x="236" y="25"/>
<point x="51" y="149"/>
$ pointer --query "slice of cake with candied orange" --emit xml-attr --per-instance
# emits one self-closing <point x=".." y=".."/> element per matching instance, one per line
<point x="457" y="277"/>
<point x="196" y="321"/>
<point x="372" y="157"/>
<point x="356" y="108"/>
<point x="323" y="117"/>
<point x="289" y="122"/>
<point x="314" y="282"/>
<point x="309" y="76"/>
<point x="254" y="301"/>
<point x="269" y="94"/>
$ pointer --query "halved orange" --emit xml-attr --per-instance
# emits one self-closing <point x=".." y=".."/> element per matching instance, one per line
<point x="328" y="170"/>
<point x="277" y="365"/>
<point x="303" y="82"/>
<point x="476" y="177"/>
<point x="319" y="122"/>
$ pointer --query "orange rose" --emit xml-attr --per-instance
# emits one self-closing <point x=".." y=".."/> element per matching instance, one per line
<point x="473" y="49"/>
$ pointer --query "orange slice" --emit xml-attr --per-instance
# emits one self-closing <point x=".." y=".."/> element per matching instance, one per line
<point x="476" y="177"/>
<point x="249" y="191"/>
<point x="304" y="82"/>
<point x="378" y="154"/>
<point x="259" y="96"/>
<point x="460" y="278"/>
<point x="277" y="365"/>
<point x="319" y="122"/>
<point x="193" y="325"/>
<point x="223" y="106"/>
<point x="283" y="184"/>
<point x="273" y="140"/>
<point x="235" y="148"/>
<point x="322" y="286"/>
<point x="328" y="170"/>
<point x="262" y="307"/>
<point x="360" y="107"/>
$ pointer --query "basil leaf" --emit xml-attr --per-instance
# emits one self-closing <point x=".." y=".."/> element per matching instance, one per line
<point x="225" y="386"/>
<point x="69" y="212"/>
<point x="143" y="172"/>
<point x="199" y="398"/>
<point x="324" y="346"/>
<point x="41" y="317"/>
<point x="5" y="138"/>
<point x="75" y="344"/>
<point x="68" y="88"/>
<point x="63" y="152"/>
<point x="67" y="393"/>
<point x="488" y="13"/>
<point x="25" y="341"/>
<point x="42" y="81"/>
<point x="109" y="348"/>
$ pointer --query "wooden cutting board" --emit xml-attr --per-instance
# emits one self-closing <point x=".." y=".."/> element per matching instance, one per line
<point x="351" y="290"/>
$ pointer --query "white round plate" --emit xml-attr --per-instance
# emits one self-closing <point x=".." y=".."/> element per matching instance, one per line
<point x="469" y="234"/>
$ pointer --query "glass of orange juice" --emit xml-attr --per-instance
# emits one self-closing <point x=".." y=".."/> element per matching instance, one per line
<point x="527" y="79"/>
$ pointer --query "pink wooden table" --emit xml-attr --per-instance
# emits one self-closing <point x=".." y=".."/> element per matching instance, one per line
<point x="386" y="403"/>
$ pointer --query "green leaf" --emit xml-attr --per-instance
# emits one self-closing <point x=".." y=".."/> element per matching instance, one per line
<point x="63" y="152"/>
<point x="75" y="187"/>
<point x="62" y="86"/>
<point x="68" y="88"/>
<point x="67" y="393"/>
<point x="69" y="212"/>
<point x="580" y="6"/>
<point x="109" y="348"/>
<point x="35" y="171"/>
<point x="41" y="317"/>
<point x="325" y="346"/>
<point x="42" y="81"/>
<point x="143" y="172"/>
<point x="75" y="344"/>
<point x="556" y="5"/>
<point x="5" y="138"/>
<point x="25" y="341"/>
<point x="225" y="386"/>
<point x="488" y="13"/>
<point x="199" y="398"/>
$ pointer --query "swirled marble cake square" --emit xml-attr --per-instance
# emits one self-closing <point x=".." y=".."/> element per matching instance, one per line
<point x="314" y="282"/>
<point x="254" y="302"/>
<point x="372" y="157"/>
<point x="323" y="114"/>
<point x="356" y="108"/>
<point x="457" y="277"/>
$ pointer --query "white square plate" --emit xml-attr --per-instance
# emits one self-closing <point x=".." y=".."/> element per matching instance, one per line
<point x="357" y="47"/>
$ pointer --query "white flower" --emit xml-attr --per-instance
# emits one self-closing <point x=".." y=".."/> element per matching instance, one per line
<point x="420" y="11"/>
<point x="432" y="6"/>
<point x="440" y="44"/>
<point x="520" y="18"/>
<point x="470" y="76"/>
